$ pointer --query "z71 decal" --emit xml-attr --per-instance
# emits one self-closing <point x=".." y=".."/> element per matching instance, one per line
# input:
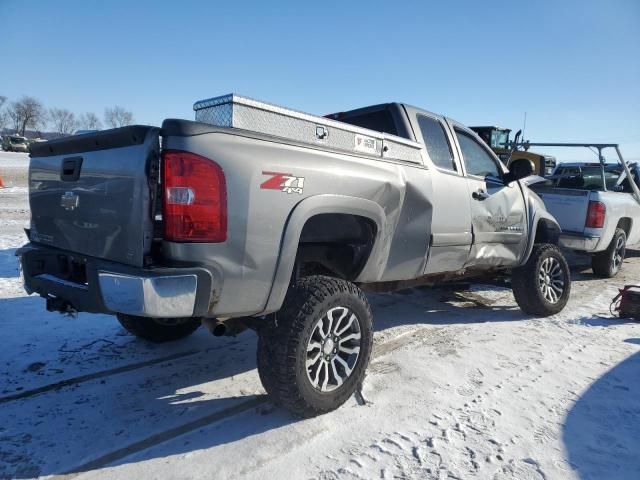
<point x="285" y="182"/>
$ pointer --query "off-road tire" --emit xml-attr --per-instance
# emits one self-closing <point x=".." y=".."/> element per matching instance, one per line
<point x="158" y="330"/>
<point x="282" y="345"/>
<point x="603" y="263"/>
<point x="526" y="288"/>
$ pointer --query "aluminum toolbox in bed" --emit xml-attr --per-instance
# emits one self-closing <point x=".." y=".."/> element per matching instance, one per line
<point x="245" y="113"/>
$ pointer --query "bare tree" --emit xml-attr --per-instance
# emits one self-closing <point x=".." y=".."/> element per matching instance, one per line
<point x="27" y="112"/>
<point x="4" y="115"/>
<point x="117" y="117"/>
<point x="63" y="121"/>
<point x="89" y="121"/>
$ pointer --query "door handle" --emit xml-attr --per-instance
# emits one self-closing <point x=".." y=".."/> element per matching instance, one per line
<point x="480" y="195"/>
<point x="70" y="169"/>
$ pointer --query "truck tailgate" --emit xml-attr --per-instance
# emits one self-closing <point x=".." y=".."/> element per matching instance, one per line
<point x="567" y="205"/>
<point x="94" y="194"/>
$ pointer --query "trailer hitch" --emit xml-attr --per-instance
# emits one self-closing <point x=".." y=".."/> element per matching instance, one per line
<point x="55" y="304"/>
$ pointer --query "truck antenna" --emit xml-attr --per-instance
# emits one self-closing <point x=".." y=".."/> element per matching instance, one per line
<point x="524" y="125"/>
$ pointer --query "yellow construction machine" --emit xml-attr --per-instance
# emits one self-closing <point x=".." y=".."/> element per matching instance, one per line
<point x="498" y="139"/>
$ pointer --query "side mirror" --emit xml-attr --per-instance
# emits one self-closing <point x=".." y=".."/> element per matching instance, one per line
<point x="518" y="169"/>
<point x="516" y="139"/>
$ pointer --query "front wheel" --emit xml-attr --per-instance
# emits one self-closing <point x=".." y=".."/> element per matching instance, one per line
<point x="159" y="330"/>
<point x="541" y="287"/>
<point x="609" y="262"/>
<point x="312" y="355"/>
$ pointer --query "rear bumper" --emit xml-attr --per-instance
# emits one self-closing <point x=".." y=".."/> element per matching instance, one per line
<point x="92" y="285"/>
<point x="579" y="241"/>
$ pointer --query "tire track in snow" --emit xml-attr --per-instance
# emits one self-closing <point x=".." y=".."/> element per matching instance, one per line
<point x="93" y="376"/>
<point x="158" y="438"/>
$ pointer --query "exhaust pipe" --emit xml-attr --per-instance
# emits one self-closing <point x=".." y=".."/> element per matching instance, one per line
<point x="224" y="327"/>
<point x="219" y="330"/>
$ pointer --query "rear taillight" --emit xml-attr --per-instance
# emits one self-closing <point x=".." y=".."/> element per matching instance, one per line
<point x="595" y="214"/>
<point x="195" y="198"/>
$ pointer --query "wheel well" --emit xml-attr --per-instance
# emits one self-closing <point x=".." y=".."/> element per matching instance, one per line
<point x="335" y="244"/>
<point x="546" y="232"/>
<point x="625" y="224"/>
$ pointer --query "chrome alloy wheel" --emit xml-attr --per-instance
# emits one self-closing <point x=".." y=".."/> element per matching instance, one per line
<point x="618" y="253"/>
<point x="333" y="349"/>
<point x="551" y="279"/>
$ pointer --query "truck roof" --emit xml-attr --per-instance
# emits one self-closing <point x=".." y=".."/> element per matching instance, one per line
<point x="488" y="127"/>
<point x="388" y="118"/>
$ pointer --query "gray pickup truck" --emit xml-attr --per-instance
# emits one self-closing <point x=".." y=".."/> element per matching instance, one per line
<point x="263" y="217"/>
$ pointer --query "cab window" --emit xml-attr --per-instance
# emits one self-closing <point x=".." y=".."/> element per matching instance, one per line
<point x="436" y="142"/>
<point x="476" y="159"/>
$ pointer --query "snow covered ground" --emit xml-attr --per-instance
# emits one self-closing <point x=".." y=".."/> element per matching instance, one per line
<point x="14" y="160"/>
<point x="461" y="385"/>
<point x="13" y="168"/>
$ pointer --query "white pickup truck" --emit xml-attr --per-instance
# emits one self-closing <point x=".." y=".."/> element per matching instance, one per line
<point x="598" y="208"/>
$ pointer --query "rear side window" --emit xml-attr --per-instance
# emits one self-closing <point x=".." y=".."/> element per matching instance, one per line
<point x="378" y="120"/>
<point x="436" y="142"/>
<point x="476" y="159"/>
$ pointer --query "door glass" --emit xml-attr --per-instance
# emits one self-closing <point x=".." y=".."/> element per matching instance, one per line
<point x="476" y="159"/>
<point x="435" y="140"/>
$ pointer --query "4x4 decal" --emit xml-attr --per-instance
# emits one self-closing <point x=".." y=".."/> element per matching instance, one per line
<point x="285" y="182"/>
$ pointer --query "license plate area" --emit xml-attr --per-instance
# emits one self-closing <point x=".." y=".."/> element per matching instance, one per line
<point x="70" y="268"/>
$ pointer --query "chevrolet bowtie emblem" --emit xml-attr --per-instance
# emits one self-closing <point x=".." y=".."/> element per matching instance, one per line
<point x="69" y="200"/>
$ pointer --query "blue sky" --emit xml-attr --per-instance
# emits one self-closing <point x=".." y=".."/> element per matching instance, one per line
<point x="573" y="66"/>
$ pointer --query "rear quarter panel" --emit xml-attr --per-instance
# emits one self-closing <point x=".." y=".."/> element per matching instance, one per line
<point x="259" y="217"/>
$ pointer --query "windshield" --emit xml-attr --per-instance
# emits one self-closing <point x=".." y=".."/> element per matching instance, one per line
<point x="499" y="139"/>
<point x="16" y="139"/>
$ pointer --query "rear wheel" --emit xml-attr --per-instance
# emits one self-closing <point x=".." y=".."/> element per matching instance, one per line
<point x="314" y="352"/>
<point x="159" y="330"/>
<point x="541" y="287"/>
<point x="609" y="262"/>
